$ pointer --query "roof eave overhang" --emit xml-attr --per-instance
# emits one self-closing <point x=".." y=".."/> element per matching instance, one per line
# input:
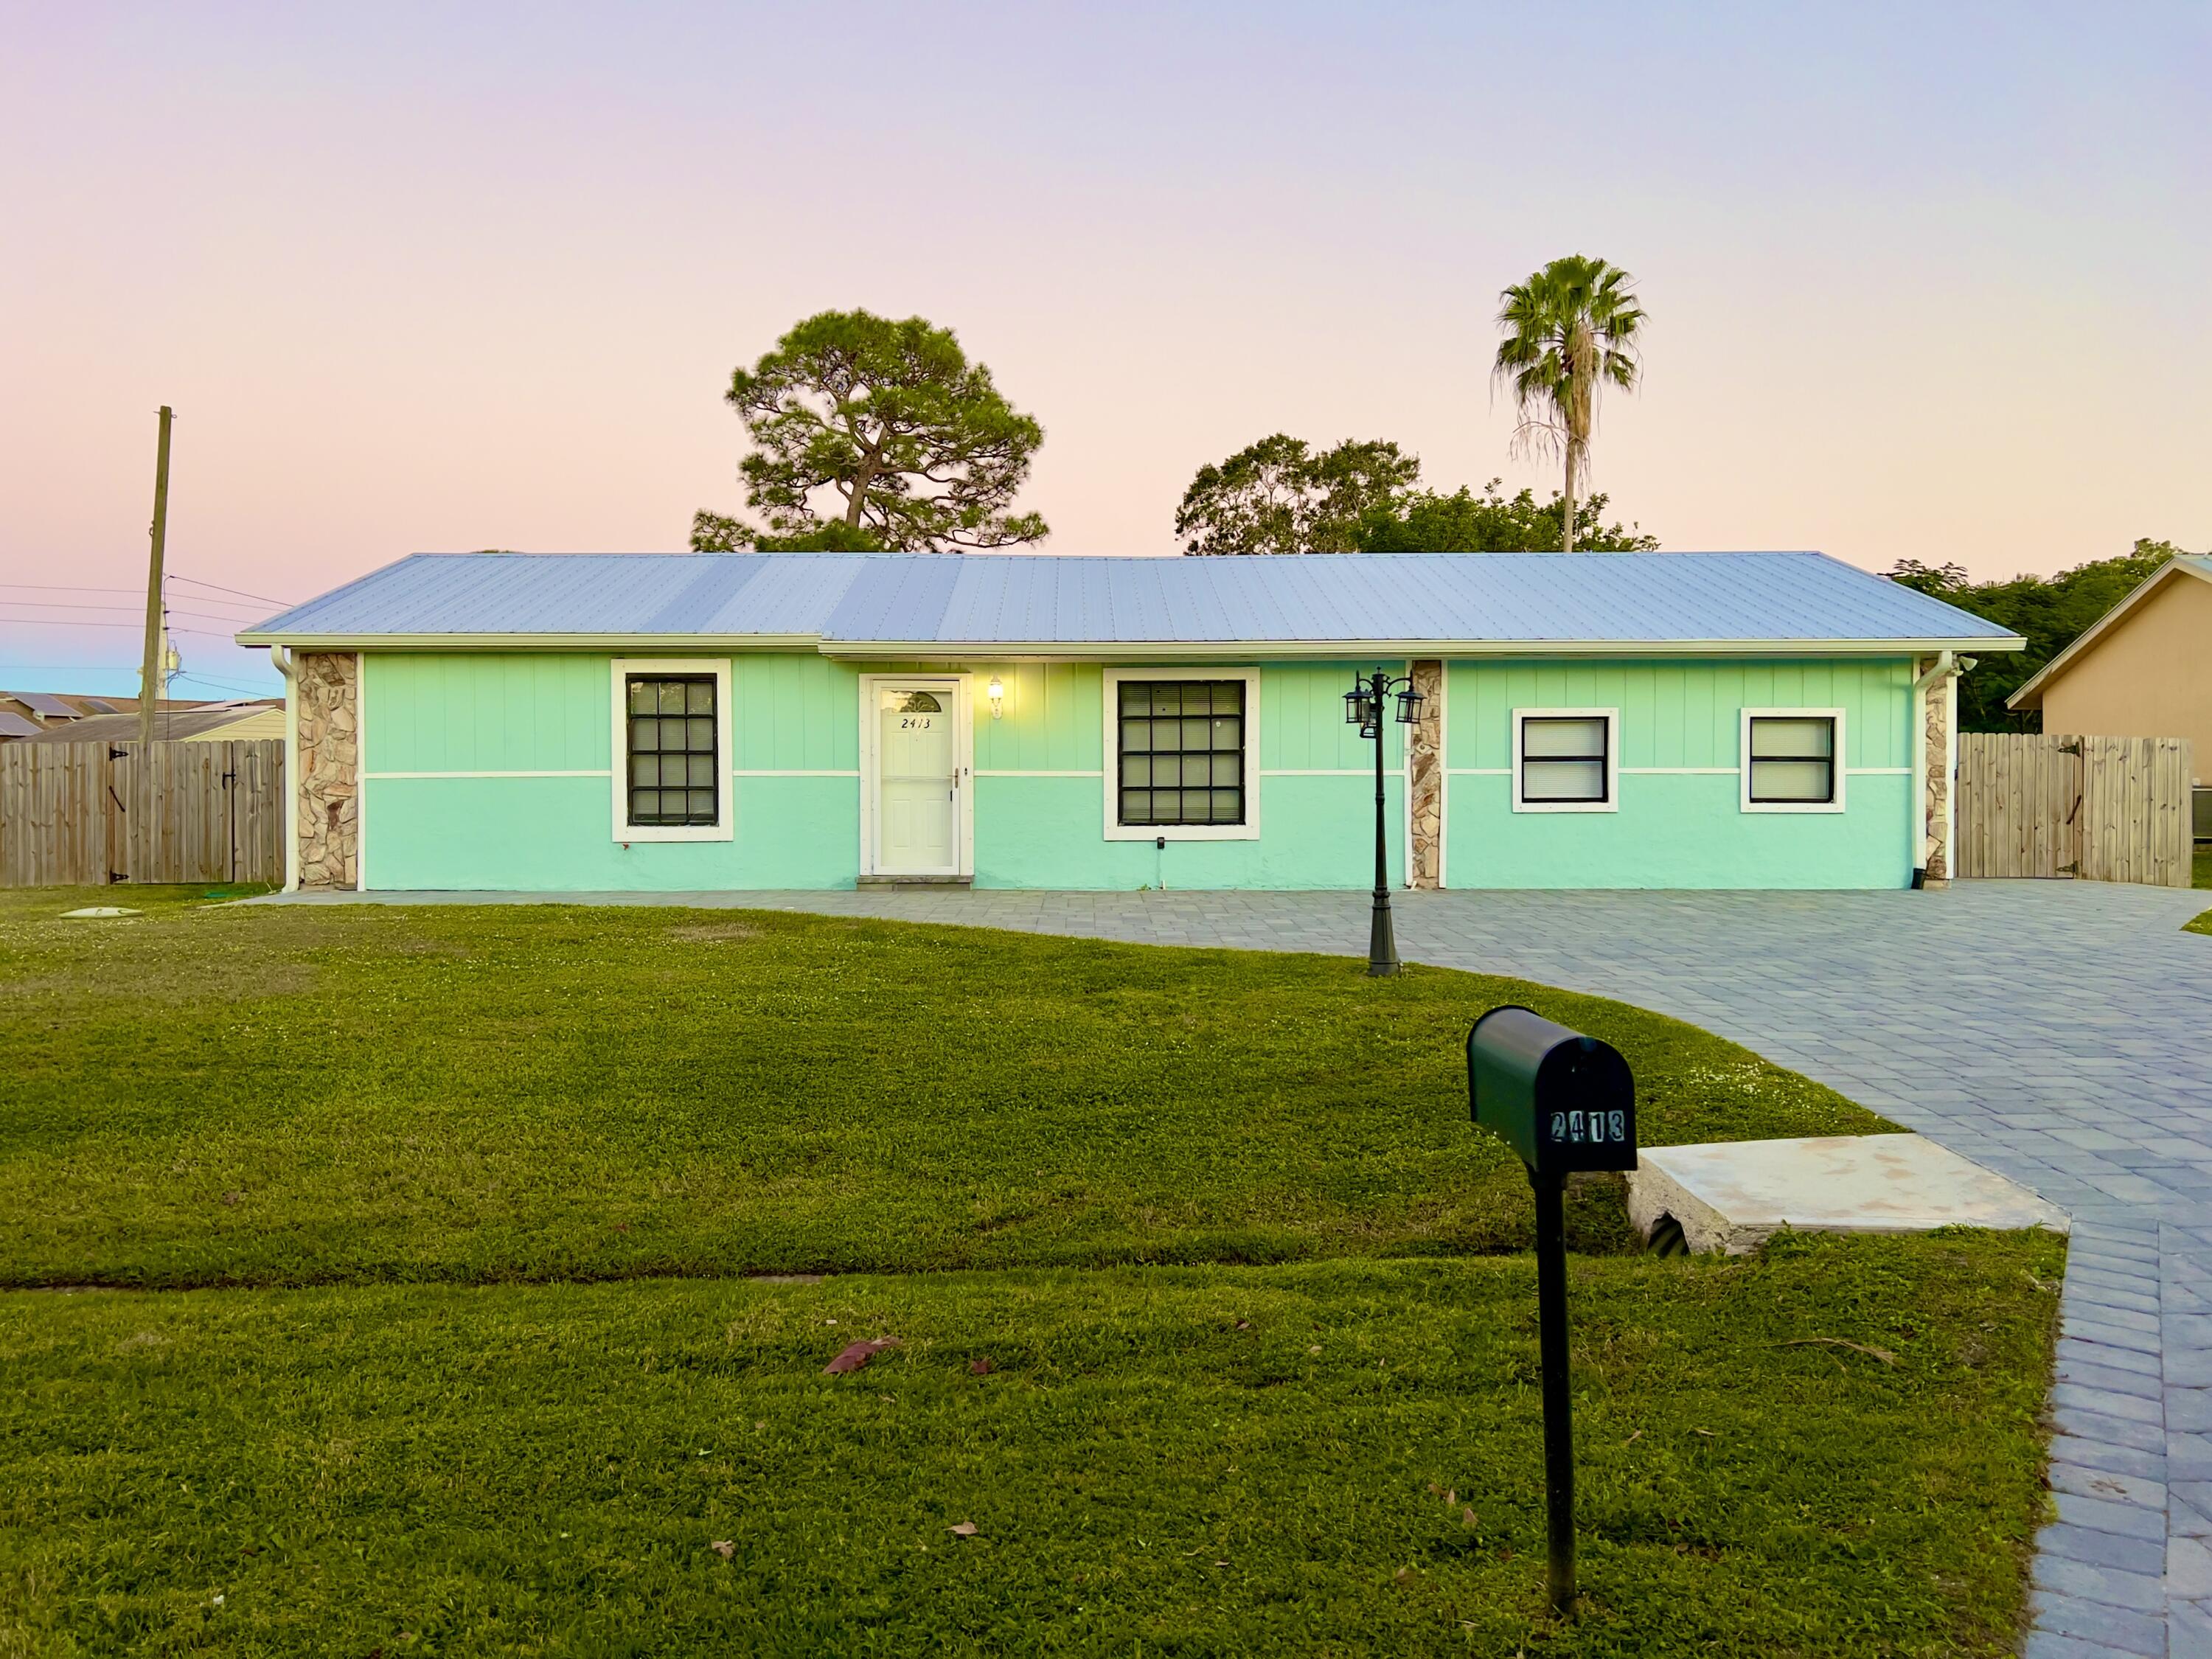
<point x="1124" y="650"/>
<point x="1226" y="650"/>
<point x="660" y="644"/>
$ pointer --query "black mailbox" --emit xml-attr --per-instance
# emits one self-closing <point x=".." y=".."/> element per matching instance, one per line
<point x="1563" y="1100"/>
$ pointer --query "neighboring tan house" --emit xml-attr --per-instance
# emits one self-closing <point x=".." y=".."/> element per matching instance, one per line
<point x="587" y="722"/>
<point x="2143" y="669"/>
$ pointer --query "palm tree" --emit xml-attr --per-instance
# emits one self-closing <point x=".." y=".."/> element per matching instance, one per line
<point x="1569" y="329"/>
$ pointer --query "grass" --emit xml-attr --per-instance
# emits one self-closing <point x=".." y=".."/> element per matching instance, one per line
<point x="412" y="1148"/>
<point x="2200" y="873"/>
<point x="1198" y="1460"/>
<point x="287" y="1095"/>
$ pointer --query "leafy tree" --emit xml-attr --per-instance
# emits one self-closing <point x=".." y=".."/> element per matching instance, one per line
<point x="2049" y="612"/>
<point x="1570" y="329"/>
<point x="1464" y="522"/>
<point x="1279" y="496"/>
<point x="888" y="423"/>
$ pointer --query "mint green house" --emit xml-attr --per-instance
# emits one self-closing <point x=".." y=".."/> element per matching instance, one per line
<point x="642" y="721"/>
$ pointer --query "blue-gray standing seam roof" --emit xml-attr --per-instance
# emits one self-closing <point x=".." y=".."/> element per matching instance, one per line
<point x="1047" y="600"/>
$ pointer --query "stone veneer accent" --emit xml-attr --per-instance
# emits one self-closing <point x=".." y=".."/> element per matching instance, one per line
<point x="326" y="685"/>
<point x="1936" y="759"/>
<point x="1425" y="777"/>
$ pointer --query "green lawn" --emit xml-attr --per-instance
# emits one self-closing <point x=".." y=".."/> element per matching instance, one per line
<point x="1190" y="1461"/>
<point x="2200" y="870"/>
<point x="368" y="1126"/>
<point x="228" y="1095"/>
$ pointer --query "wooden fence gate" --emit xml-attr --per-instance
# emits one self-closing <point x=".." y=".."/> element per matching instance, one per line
<point x="86" y="814"/>
<point x="2102" y="809"/>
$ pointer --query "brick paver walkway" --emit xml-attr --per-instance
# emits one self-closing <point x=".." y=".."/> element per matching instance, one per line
<point x="2058" y="1032"/>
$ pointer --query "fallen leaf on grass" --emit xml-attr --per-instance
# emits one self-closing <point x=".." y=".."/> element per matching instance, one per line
<point x="1882" y="1354"/>
<point x="1708" y="1433"/>
<point x="723" y="1547"/>
<point x="1467" y="1517"/>
<point x="1403" y="1576"/>
<point x="857" y="1354"/>
<point x="1315" y="1349"/>
<point x="1633" y="1438"/>
<point x="978" y="1368"/>
<point x="961" y="1529"/>
<point x="231" y="1198"/>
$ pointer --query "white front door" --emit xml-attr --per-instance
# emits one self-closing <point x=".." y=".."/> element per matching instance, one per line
<point x="917" y="778"/>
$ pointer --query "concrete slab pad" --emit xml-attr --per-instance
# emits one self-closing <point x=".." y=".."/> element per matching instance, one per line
<point x="1730" y="1195"/>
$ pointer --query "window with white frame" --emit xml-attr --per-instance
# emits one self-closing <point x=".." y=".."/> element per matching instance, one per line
<point x="1793" y="760"/>
<point x="1181" y="754"/>
<point x="1566" y="760"/>
<point x="671" y="750"/>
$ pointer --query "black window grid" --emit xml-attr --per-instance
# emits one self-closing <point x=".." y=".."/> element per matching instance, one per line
<point x="675" y="778"/>
<point x="1180" y="754"/>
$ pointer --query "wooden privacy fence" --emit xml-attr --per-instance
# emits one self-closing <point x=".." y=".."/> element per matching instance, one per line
<point x="91" y="814"/>
<point x="2102" y="809"/>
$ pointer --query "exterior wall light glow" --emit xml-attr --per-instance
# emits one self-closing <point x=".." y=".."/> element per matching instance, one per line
<point x="997" y="693"/>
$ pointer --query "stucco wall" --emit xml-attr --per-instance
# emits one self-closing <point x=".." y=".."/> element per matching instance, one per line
<point x="2150" y="676"/>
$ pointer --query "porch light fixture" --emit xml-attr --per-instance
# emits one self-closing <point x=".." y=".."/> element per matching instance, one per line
<point x="1362" y="708"/>
<point x="1362" y="701"/>
<point x="997" y="693"/>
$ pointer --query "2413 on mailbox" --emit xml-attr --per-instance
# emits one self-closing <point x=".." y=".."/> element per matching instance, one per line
<point x="1588" y="1128"/>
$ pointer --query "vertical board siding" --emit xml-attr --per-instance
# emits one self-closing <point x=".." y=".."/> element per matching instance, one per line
<point x="1682" y="713"/>
<point x="789" y="714"/>
<point x="85" y="814"/>
<point x="518" y="712"/>
<point x="2103" y="808"/>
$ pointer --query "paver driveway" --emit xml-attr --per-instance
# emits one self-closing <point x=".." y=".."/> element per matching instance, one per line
<point x="2059" y="1032"/>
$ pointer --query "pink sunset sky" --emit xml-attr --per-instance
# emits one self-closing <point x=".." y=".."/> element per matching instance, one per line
<point x="1924" y="282"/>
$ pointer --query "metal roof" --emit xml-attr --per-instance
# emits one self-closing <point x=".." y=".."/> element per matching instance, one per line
<point x="44" y="702"/>
<point x="894" y="603"/>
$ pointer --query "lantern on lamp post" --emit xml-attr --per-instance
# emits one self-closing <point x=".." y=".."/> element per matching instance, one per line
<point x="1362" y="708"/>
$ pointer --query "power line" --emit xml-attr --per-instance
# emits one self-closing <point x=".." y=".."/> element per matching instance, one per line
<point x="87" y="587"/>
<point x="220" y="588"/>
<point x="66" y="622"/>
<point x="234" y="623"/>
<point x="228" y="685"/>
<point x="63" y="604"/>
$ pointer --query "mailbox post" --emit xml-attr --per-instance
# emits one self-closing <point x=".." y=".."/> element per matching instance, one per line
<point x="1564" y="1102"/>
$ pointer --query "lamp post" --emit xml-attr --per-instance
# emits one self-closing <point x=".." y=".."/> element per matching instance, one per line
<point x="1362" y="708"/>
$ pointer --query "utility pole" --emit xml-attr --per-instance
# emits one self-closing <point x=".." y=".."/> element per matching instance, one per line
<point x="154" y="670"/>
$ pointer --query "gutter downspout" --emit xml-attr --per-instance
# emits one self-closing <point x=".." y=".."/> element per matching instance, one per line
<point x="1944" y="672"/>
<point x="282" y="659"/>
